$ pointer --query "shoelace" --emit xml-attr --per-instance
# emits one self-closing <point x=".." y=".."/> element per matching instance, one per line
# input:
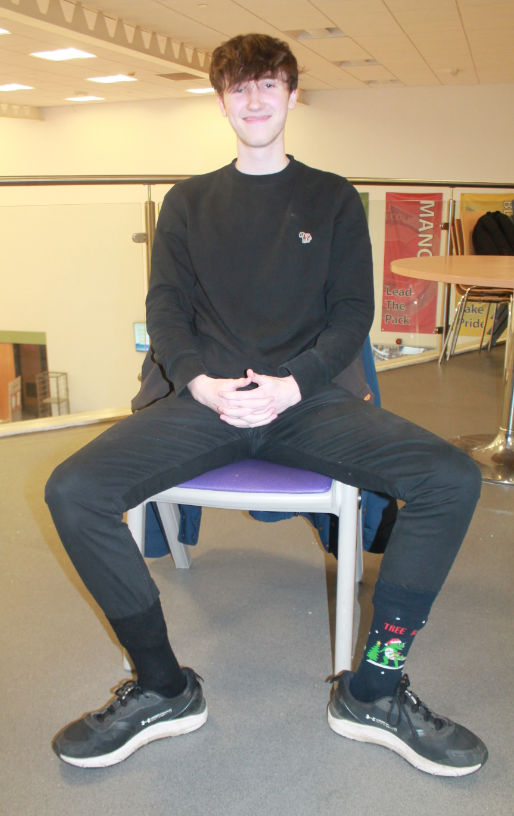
<point x="124" y="693"/>
<point x="401" y="697"/>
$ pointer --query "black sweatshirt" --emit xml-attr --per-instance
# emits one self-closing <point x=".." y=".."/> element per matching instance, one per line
<point x="272" y="273"/>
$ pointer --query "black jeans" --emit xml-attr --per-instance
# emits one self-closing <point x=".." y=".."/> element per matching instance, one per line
<point x="333" y="433"/>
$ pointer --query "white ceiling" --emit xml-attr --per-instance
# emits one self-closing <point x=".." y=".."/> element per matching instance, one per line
<point x="410" y="42"/>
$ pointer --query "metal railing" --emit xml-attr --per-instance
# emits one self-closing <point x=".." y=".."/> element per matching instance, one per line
<point x="150" y="213"/>
<point x="52" y="181"/>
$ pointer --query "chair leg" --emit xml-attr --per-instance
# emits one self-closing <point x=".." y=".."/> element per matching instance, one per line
<point x="485" y="326"/>
<point x="346" y="562"/>
<point x="170" y="518"/>
<point x="136" y="518"/>
<point x="450" y="332"/>
<point x="359" y="563"/>
<point x="459" y="319"/>
<point x="508" y="342"/>
<point x="490" y="344"/>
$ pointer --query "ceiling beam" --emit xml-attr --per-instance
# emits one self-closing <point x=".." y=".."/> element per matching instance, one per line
<point x="97" y="29"/>
<point x="9" y="111"/>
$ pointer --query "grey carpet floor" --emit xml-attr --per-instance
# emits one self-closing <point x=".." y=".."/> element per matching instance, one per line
<point x="254" y="617"/>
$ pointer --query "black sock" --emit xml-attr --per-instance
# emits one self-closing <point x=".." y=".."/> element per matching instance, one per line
<point x="398" y="615"/>
<point x="145" y="638"/>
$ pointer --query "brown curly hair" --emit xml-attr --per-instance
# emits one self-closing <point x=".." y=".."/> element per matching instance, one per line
<point x="252" y="56"/>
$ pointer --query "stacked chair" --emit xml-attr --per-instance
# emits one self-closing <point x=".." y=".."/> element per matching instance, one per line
<point x="462" y="244"/>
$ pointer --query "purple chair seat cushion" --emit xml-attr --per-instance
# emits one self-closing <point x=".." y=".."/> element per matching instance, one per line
<point x="257" y="476"/>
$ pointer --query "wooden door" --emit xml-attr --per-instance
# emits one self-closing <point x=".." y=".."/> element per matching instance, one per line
<point x="7" y="375"/>
<point x="15" y="400"/>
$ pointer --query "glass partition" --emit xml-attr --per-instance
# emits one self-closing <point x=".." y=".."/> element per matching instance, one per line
<point x="74" y="280"/>
<point x="405" y="222"/>
<point x="73" y="285"/>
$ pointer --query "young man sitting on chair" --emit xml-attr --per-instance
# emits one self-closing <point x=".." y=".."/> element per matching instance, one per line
<point x="261" y="292"/>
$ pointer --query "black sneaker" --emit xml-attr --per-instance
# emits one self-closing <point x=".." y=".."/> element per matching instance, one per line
<point x="132" y="720"/>
<point x="404" y="724"/>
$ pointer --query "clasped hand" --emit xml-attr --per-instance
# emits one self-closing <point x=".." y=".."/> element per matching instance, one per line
<point x="246" y="409"/>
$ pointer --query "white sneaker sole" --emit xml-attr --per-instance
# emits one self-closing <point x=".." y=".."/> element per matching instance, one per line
<point x="172" y="728"/>
<point x="368" y="733"/>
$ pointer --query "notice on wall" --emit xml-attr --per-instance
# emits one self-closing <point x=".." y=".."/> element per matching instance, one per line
<point x="487" y="202"/>
<point x="412" y="228"/>
<point x="141" y="337"/>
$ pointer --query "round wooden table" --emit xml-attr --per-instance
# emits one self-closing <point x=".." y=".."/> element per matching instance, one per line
<point x="493" y="453"/>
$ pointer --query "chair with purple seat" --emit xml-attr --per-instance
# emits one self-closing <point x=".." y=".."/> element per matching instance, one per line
<point x="253" y="484"/>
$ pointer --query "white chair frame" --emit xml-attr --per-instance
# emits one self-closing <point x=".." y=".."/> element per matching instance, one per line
<point x="341" y="500"/>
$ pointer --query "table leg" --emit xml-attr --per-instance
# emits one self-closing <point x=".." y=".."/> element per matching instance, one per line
<point x="450" y="221"/>
<point x="494" y="454"/>
<point x="446" y="319"/>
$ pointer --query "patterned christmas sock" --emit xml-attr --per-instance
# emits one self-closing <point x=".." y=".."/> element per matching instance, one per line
<point x="398" y="615"/>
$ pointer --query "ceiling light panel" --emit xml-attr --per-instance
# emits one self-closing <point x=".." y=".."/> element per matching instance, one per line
<point x="4" y="31"/>
<point x="16" y="51"/>
<point x="178" y="76"/>
<point x="358" y="63"/>
<point x="109" y="80"/>
<point x="315" y="33"/>
<point x="384" y="82"/>
<point x="13" y="86"/>
<point x="56" y="81"/>
<point x="200" y="90"/>
<point x="20" y="47"/>
<point x="85" y="99"/>
<point x="66" y="77"/>
<point x="62" y="54"/>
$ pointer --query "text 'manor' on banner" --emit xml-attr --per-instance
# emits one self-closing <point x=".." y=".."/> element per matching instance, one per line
<point x="412" y="229"/>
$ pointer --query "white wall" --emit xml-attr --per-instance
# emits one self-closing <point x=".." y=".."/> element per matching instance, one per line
<point x="462" y="133"/>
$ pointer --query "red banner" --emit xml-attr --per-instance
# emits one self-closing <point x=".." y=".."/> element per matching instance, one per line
<point x="412" y="228"/>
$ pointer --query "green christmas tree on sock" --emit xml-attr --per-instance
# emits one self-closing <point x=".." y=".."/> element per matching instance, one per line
<point x="374" y="651"/>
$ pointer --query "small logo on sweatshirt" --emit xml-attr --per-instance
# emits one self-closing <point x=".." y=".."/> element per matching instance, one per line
<point x="306" y="237"/>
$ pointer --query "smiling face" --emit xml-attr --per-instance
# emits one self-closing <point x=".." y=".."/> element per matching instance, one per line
<point x="257" y="110"/>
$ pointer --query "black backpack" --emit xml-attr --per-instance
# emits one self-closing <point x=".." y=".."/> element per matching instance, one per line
<point x="494" y="235"/>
